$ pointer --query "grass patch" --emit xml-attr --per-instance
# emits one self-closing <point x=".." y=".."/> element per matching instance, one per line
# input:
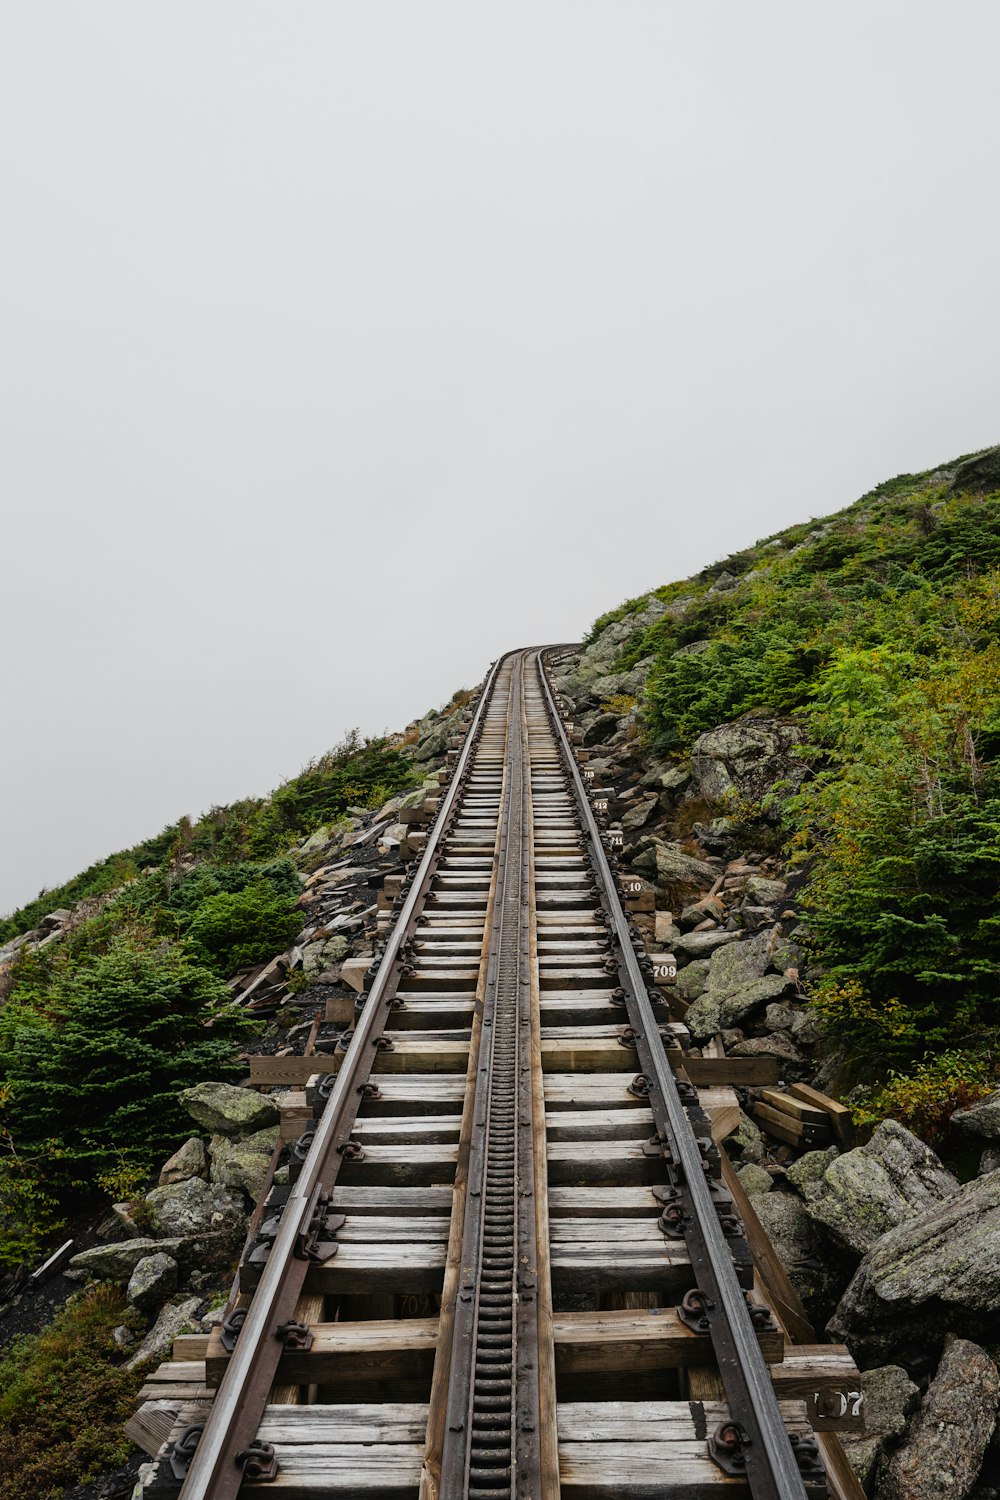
<point x="64" y="1400"/>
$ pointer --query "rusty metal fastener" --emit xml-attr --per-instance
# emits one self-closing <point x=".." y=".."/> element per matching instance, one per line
<point x="639" y="1086"/>
<point x="259" y="1461"/>
<point x="294" y="1335"/>
<point x="231" y="1327"/>
<point x="181" y="1452"/>
<point x="763" y="1319"/>
<point x="727" y="1446"/>
<point x="694" y="1309"/>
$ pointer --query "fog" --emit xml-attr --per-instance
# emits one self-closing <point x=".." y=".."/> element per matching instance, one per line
<point x="346" y="346"/>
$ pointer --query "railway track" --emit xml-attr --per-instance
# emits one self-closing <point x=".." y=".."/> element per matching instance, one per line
<point x="507" y="1266"/>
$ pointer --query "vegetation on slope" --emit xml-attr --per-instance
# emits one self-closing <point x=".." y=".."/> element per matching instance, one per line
<point x="64" y="1399"/>
<point x="879" y="629"/>
<point x="357" y="772"/>
<point x="100" y="1030"/>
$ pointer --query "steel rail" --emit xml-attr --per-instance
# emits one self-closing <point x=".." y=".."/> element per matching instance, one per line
<point x="771" y="1466"/>
<point x="491" y="1439"/>
<point x="230" y="1430"/>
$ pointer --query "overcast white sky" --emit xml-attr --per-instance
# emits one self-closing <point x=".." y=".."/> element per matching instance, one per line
<point x="346" y="345"/>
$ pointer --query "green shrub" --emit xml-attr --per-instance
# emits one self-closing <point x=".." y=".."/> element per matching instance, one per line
<point x="94" y="1052"/>
<point x="233" y="929"/>
<point x="925" y="1098"/>
<point x="64" y="1400"/>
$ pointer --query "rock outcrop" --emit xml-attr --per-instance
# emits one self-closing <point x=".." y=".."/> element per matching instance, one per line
<point x="938" y="1270"/>
<point x="889" y="1397"/>
<point x="866" y="1192"/>
<point x="195" y="1207"/>
<point x="942" y="1456"/>
<point x="746" y="758"/>
<point x="225" y="1109"/>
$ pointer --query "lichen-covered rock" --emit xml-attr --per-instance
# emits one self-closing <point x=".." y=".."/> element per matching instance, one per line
<point x="759" y="891"/>
<point x="869" y="1190"/>
<point x="672" y="869"/>
<point x="944" y="1452"/>
<point x="943" y="1262"/>
<point x="639" y="815"/>
<point x="117" y="1262"/>
<point x="188" y="1160"/>
<point x="746" y="757"/>
<point x="741" y="963"/>
<point x="242" y="1164"/>
<point x="778" y="1045"/>
<point x="692" y="980"/>
<point x="795" y="1238"/>
<point x="746" y="1140"/>
<point x="715" y="1010"/>
<point x="807" y="1172"/>
<point x="325" y="954"/>
<point x="195" y="1207"/>
<point x="152" y="1281"/>
<point x="981" y="1118"/>
<point x="754" y="1179"/>
<point x="698" y="944"/>
<point x="889" y="1397"/>
<point x="225" y="1109"/>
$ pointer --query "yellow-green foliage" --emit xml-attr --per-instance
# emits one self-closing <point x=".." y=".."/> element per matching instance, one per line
<point x="620" y="704"/>
<point x="925" y="1098"/>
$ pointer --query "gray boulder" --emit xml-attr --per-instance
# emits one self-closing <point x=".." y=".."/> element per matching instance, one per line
<point x="692" y="980"/>
<point x="152" y="1281"/>
<point x="778" y="1045"/>
<point x="172" y="1321"/>
<point x="225" y="1109"/>
<point x="981" y="1118"/>
<point x="671" y="868"/>
<point x="944" y="1452"/>
<point x="699" y="944"/>
<point x="759" y="891"/>
<point x="869" y="1190"/>
<point x="746" y="1140"/>
<point x="666" y="778"/>
<point x="117" y="1262"/>
<point x="746" y="757"/>
<point x="943" y="1262"/>
<point x="715" y="1010"/>
<point x="798" y="1246"/>
<point x="741" y="963"/>
<point x="188" y="1160"/>
<point x="806" y="1173"/>
<point x="639" y="815"/>
<point x="754" y="1179"/>
<point x="326" y="954"/>
<point x="242" y="1164"/>
<point x="195" y="1207"/>
<point x="889" y="1397"/>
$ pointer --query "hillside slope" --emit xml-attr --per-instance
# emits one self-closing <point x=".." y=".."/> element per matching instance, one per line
<point x="832" y="696"/>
